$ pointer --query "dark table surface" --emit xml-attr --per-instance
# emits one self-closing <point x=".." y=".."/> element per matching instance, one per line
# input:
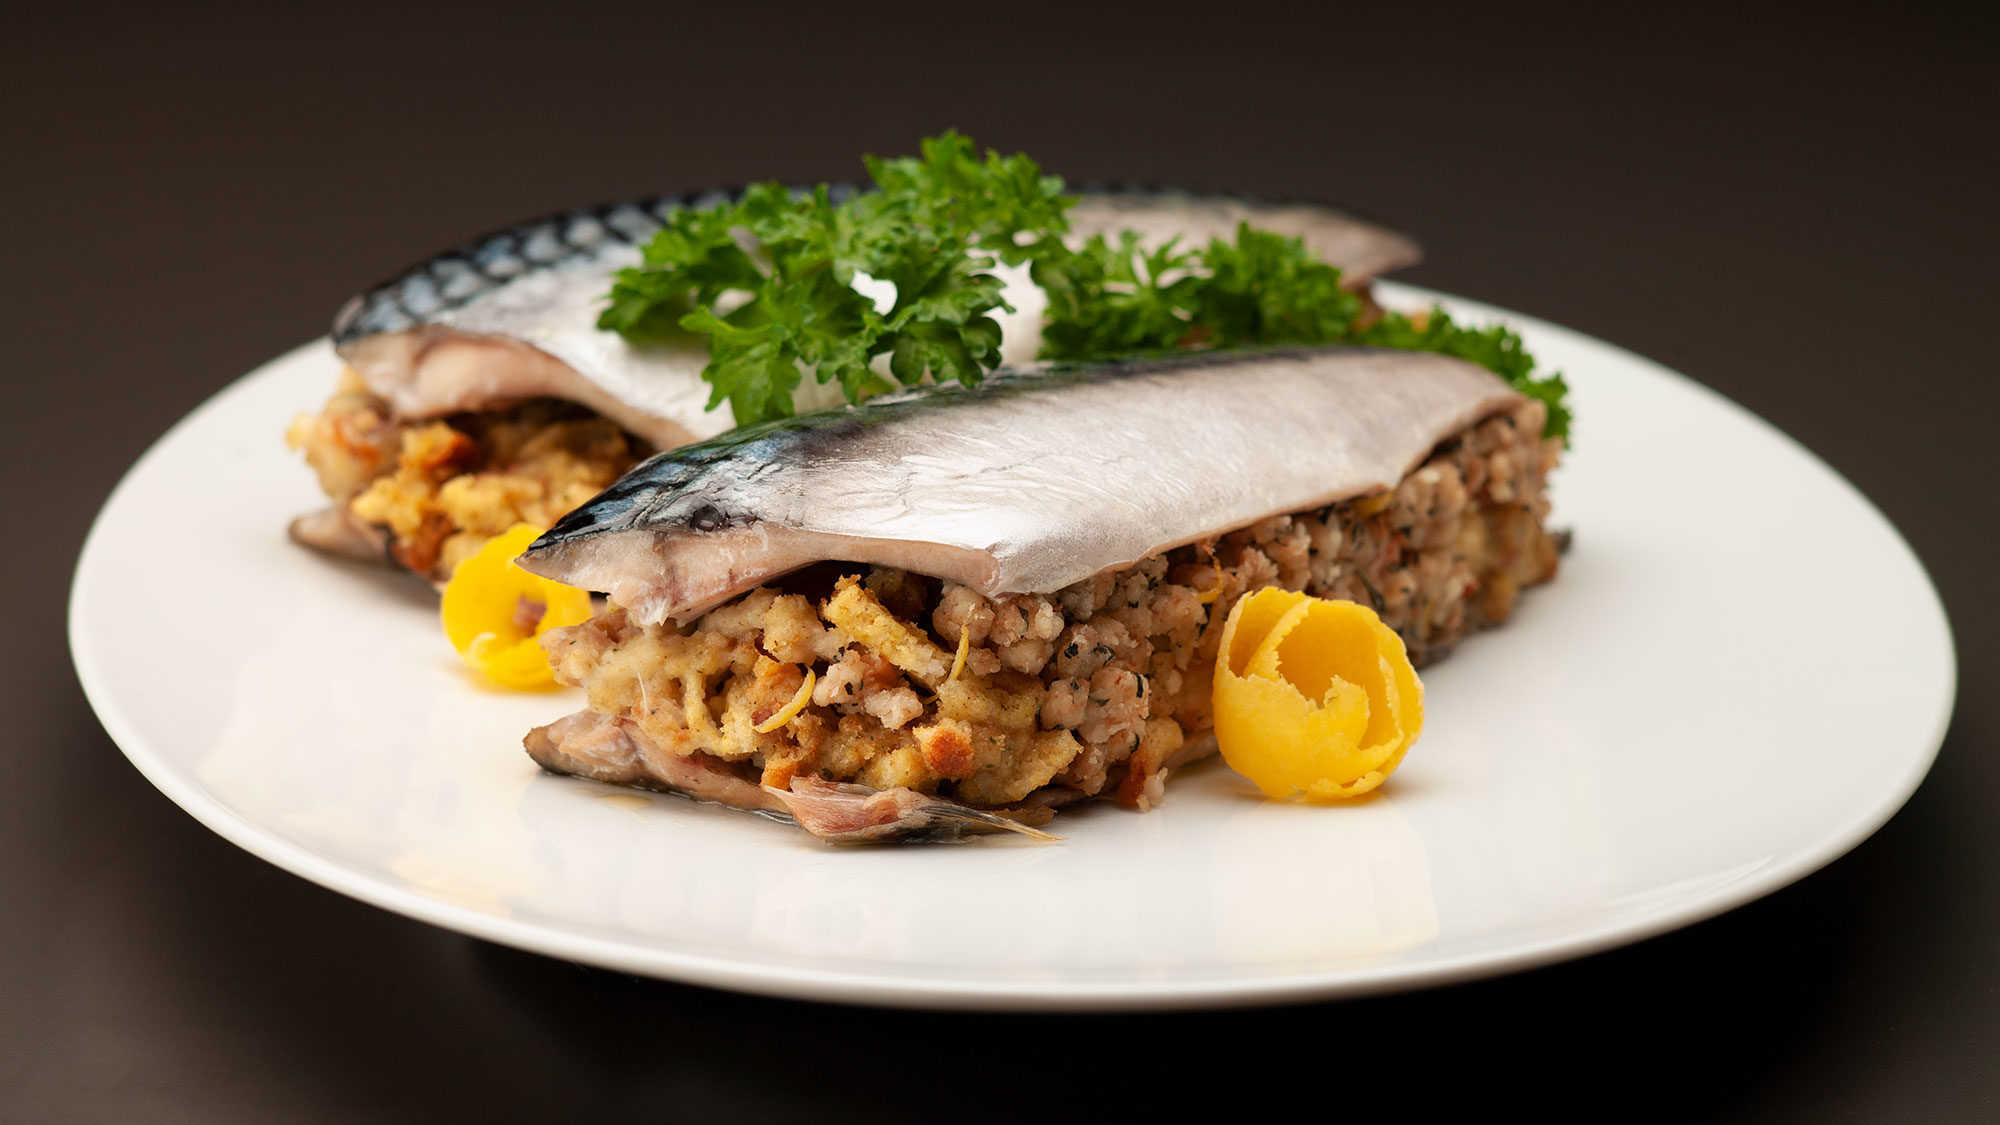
<point x="1798" y="212"/>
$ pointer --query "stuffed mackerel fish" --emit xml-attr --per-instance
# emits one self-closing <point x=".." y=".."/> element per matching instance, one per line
<point x="929" y="509"/>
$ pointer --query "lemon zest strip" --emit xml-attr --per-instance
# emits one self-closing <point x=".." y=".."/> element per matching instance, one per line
<point x="791" y="709"/>
<point x="1209" y="595"/>
<point x="964" y="646"/>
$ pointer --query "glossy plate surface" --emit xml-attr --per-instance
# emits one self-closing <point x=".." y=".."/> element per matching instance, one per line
<point x="1741" y="672"/>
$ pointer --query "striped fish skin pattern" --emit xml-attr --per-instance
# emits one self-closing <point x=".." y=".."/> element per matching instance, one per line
<point x="589" y="238"/>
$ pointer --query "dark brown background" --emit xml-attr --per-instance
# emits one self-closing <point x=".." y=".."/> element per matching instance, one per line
<point x="1797" y="211"/>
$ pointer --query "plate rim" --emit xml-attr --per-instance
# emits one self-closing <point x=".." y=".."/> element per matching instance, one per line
<point x="841" y="984"/>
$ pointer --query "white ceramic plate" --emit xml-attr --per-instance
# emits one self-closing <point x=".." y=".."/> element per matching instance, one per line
<point x="1741" y="672"/>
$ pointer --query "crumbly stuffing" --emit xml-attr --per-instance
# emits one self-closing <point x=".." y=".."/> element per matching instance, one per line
<point x="1084" y="692"/>
<point x="443" y="487"/>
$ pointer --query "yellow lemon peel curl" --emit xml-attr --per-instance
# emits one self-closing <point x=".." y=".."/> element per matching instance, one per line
<point x="1313" y="698"/>
<point x="495" y="613"/>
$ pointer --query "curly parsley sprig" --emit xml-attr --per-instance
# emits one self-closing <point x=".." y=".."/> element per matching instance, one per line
<point x="1496" y="348"/>
<point x="1113" y="298"/>
<point x="933" y="227"/>
<point x="784" y="266"/>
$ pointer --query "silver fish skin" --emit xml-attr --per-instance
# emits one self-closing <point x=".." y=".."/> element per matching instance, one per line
<point x="1362" y="250"/>
<point x="513" y="315"/>
<point x="1024" y="484"/>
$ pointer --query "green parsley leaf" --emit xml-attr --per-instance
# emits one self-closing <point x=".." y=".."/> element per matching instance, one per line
<point x="691" y="261"/>
<point x="1108" y="299"/>
<point x="1004" y="203"/>
<point x="1262" y="289"/>
<point x="1496" y="348"/>
<point x="1267" y="289"/>
<point x="932" y="228"/>
<point x="786" y="265"/>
